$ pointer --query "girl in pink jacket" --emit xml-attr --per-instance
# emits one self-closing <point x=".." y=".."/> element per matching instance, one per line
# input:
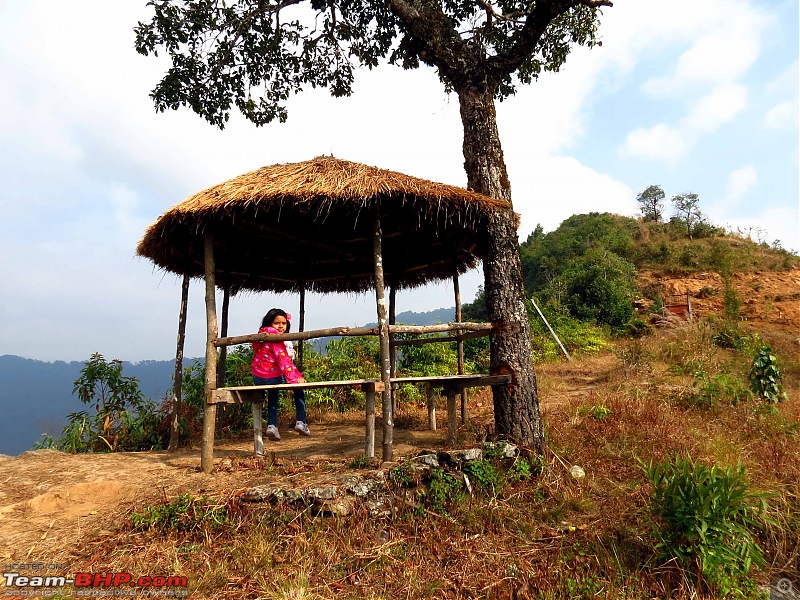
<point x="272" y="364"/>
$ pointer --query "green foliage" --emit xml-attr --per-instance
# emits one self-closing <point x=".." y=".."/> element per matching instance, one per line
<point x="600" y="287"/>
<point x="122" y="417"/>
<point x="596" y="411"/>
<point x="544" y="257"/>
<point x="765" y="377"/>
<point x="687" y="209"/>
<point x="729" y="334"/>
<point x="521" y="470"/>
<point x="651" y="203"/>
<point x="578" y="337"/>
<point x="712" y="390"/>
<point x="443" y="489"/>
<point x="361" y="462"/>
<point x="344" y="358"/>
<point x="705" y="519"/>
<point x="232" y="419"/>
<point x="254" y="56"/>
<point x="484" y="473"/>
<point x="185" y="514"/>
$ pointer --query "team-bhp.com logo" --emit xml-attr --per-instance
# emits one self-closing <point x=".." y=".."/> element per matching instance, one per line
<point x="94" y="580"/>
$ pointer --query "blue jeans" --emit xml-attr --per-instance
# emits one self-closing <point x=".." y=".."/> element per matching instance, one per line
<point x="272" y="400"/>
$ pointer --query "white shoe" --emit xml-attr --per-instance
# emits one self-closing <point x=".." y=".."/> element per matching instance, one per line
<point x="301" y="427"/>
<point x="273" y="433"/>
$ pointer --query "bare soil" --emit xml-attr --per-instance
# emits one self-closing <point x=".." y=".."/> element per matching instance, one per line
<point x="770" y="300"/>
<point x="50" y="501"/>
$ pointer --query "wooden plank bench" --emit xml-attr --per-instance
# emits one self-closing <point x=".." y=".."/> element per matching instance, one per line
<point x="451" y="386"/>
<point x="255" y="395"/>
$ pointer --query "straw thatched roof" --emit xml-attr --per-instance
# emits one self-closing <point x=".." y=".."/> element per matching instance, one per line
<point x="311" y="224"/>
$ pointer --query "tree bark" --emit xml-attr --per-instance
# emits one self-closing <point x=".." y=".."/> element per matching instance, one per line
<point x="516" y="406"/>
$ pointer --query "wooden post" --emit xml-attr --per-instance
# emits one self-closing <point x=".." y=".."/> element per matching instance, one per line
<point x="258" y="439"/>
<point x="369" y="447"/>
<point x="383" y="333"/>
<point x="392" y="347"/>
<point x="223" y="351"/>
<point x="174" y="429"/>
<point x="460" y="345"/>
<point x="452" y="418"/>
<point x="210" y="410"/>
<point x="302" y="324"/>
<point x="429" y="395"/>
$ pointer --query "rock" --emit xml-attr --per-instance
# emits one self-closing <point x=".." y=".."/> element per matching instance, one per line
<point x="428" y="459"/>
<point x="503" y="450"/>
<point x="326" y="492"/>
<point x="458" y="457"/>
<point x="359" y="486"/>
<point x="341" y="507"/>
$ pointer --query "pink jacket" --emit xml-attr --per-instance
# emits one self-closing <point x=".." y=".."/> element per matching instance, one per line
<point x="271" y="359"/>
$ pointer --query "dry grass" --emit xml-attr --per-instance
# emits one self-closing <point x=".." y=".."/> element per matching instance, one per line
<point x="549" y="537"/>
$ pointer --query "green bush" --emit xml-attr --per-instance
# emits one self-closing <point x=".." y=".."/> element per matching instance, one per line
<point x="705" y="519"/>
<point x="599" y="287"/>
<point x="713" y="389"/>
<point x="765" y="376"/>
<point x="122" y="419"/>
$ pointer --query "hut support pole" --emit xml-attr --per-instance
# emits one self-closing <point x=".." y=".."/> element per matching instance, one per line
<point x="174" y="429"/>
<point x="392" y="346"/>
<point x="210" y="410"/>
<point x="383" y="332"/>
<point x="302" y="324"/>
<point x="460" y="345"/>
<point x="223" y="351"/>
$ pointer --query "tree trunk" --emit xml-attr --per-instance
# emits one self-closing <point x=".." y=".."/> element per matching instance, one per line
<point x="516" y="406"/>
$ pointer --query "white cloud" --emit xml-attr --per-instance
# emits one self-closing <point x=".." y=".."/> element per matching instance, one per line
<point x="772" y="223"/>
<point x="549" y="190"/>
<point x="670" y="143"/>
<point x="740" y="182"/>
<point x="660" y="142"/>
<point x="724" y="53"/>
<point x="719" y="106"/>
<point x="782" y="116"/>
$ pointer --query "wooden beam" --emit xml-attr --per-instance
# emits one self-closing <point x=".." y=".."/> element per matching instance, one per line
<point x="439" y="340"/>
<point x="440" y="328"/>
<point x="209" y="410"/>
<point x="305" y="335"/>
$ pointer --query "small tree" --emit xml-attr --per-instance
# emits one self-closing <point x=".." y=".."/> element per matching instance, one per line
<point x="123" y="419"/>
<point x="651" y="203"/>
<point x="687" y="209"/>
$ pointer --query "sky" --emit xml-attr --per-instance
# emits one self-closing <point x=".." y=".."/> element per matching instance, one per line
<point x="693" y="96"/>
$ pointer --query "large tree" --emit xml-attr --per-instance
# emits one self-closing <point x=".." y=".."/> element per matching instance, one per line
<point x="255" y="54"/>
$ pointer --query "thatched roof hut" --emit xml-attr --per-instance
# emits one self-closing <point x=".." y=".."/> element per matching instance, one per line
<point x="309" y="226"/>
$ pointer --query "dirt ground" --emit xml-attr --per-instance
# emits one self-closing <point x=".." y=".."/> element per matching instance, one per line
<point x="50" y="501"/>
<point x="770" y="299"/>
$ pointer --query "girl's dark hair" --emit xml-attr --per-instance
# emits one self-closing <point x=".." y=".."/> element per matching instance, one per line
<point x="269" y="318"/>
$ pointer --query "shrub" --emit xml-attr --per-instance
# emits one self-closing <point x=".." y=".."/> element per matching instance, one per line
<point x="123" y="418"/>
<point x="705" y="518"/>
<point x="765" y="376"/>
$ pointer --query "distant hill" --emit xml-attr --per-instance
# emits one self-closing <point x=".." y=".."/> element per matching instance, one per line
<point x="36" y="396"/>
